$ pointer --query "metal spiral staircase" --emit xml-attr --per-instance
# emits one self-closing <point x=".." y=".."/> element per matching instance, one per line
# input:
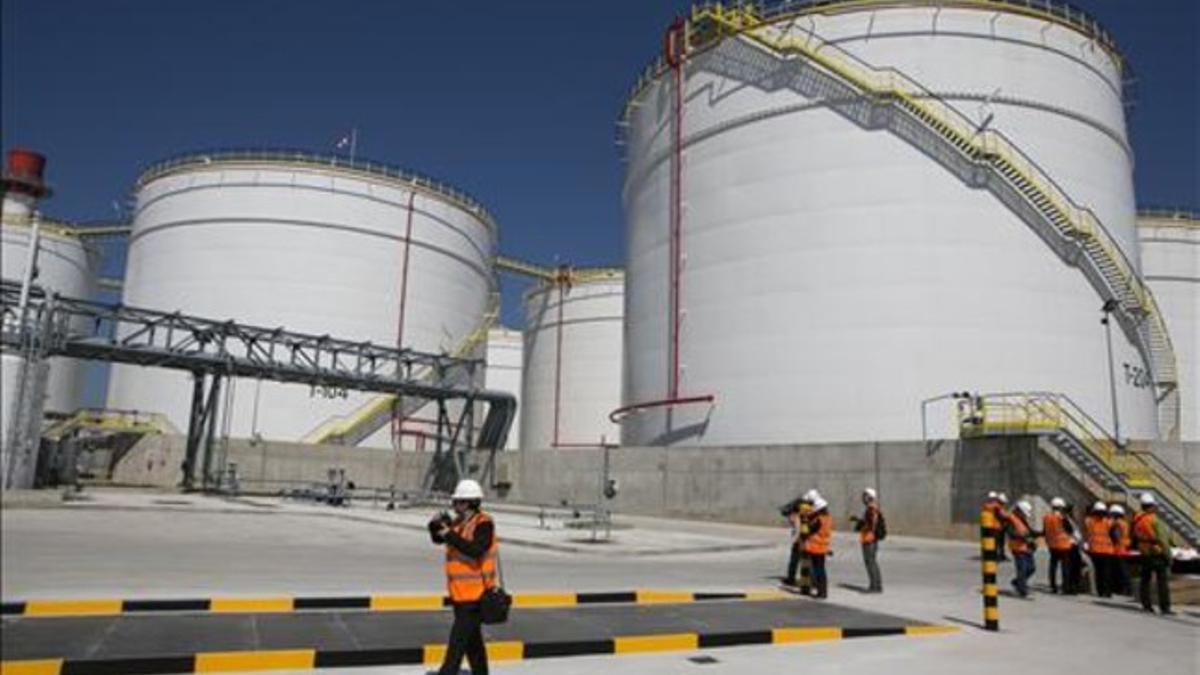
<point x="1072" y="230"/>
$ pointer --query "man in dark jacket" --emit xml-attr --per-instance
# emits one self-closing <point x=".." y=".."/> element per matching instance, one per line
<point x="471" y="560"/>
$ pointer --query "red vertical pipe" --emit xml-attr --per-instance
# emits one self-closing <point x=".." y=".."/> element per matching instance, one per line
<point x="673" y="46"/>
<point x="404" y="272"/>
<point x="398" y="420"/>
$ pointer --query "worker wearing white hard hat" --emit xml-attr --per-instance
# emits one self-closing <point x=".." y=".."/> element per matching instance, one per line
<point x="1153" y="542"/>
<point x="1022" y="542"/>
<point x="1098" y="542"/>
<point x="1120" y="531"/>
<point x="1056" y="531"/>
<point x="797" y="515"/>
<point x="817" y="545"/>
<point x="871" y="530"/>
<point x="471" y="563"/>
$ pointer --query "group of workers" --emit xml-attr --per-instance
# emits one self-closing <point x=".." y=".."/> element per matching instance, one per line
<point x="1113" y="544"/>
<point x="812" y="537"/>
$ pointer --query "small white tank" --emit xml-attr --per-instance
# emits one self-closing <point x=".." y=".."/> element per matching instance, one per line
<point x="1170" y="243"/>
<point x="502" y="372"/>
<point x="66" y="265"/>
<point x="572" y="379"/>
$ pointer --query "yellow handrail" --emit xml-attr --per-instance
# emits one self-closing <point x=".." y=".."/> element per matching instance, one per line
<point x="710" y="23"/>
<point x="1006" y="414"/>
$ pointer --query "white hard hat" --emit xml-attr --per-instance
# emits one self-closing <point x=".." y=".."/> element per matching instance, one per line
<point x="1058" y="503"/>
<point x="870" y="492"/>
<point x="811" y="496"/>
<point x="467" y="489"/>
<point x="993" y="495"/>
<point x="1100" y="506"/>
<point x="1117" y="510"/>
<point x="819" y="503"/>
<point x="1147" y="499"/>
<point x="1025" y="507"/>
<point x="1002" y="497"/>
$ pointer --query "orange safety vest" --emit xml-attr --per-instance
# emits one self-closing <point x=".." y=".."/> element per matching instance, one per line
<point x="1146" y="534"/>
<point x="820" y="534"/>
<point x="867" y="534"/>
<point x="1097" y="529"/>
<point x="1018" y="543"/>
<point x="467" y="578"/>
<point x="1122" y="540"/>
<point x="1056" y="535"/>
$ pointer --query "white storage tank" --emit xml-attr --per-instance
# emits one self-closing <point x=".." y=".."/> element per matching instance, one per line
<point x="502" y="372"/>
<point x="1170" y="242"/>
<point x="311" y="243"/>
<point x="65" y="265"/>
<point x="819" y="274"/>
<point x="572" y="378"/>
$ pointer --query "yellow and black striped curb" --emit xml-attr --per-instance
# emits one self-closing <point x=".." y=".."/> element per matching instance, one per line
<point x="377" y="603"/>
<point x="432" y="654"/>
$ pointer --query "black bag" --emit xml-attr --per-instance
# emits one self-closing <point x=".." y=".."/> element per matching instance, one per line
<point x="880" y="527"/>
<point x="494" y="605"/>
<point x="495" y="602"/>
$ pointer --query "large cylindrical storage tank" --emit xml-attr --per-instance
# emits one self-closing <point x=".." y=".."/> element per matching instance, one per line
<point x="314" y="244"/>
<point x="1170" y="242"/>
<point x="572" y="378"/>
<point x="832" y="274"/>
<point x="502" y="371"/>
<point x="65" y="265"/>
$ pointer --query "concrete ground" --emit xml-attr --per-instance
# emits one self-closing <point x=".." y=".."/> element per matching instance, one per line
<point x="123" y="544"/>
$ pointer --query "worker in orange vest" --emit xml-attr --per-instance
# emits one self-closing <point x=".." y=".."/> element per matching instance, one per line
<point x="1022" y="541"/>
<point x="1002" y="516"/>
<point x="820" y="536"/>
<point x="797" y="515"/>
<point x="471" y="555"/>
<point x="1097" y="541"/>
<point x="1121" y="535"/>
<point x="1058" y="540"/>
<point x="870" y="531"/>
<point x="1154" y="545"/>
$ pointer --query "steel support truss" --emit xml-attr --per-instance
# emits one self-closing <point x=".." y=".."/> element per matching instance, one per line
<point x="214" y="351"/>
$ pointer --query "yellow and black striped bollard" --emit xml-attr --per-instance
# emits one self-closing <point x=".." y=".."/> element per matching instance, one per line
<point x="989" y="527"/>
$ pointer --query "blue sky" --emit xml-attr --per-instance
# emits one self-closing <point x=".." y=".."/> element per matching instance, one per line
<point x="512" y="101"/>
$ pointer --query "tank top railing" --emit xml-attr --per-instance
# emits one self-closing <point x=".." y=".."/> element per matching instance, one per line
<point x="1044" y="412"/>
<point x="1136" y="306"/>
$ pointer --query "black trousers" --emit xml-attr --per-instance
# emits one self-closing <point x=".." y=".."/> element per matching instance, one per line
<point x="1156" y="566"/>
<point x="466" y="639"/>
<point x="819" y="580"/>
<point x="1062" y="558"/>
<point x="1102" y="570"/>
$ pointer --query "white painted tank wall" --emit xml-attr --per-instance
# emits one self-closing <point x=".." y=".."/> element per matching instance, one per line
<point x="66" y="266"/>
<point x="587" y="371"/>
<point x="1171" y="266"/>
<point x="505" y="347"/>
<point x="837" y="276"/>
<point x="310" y="248"/>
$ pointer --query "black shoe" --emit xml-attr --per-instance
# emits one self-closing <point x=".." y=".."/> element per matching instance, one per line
<point x="789" y="582"/>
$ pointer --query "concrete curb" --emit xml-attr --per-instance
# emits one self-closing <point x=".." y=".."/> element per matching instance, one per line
<point x="432" y="654"/>
<point x="49" y="608"/>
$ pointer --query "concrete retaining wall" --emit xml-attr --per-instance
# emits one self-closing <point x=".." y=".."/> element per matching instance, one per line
<point x="926" y="489"/>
